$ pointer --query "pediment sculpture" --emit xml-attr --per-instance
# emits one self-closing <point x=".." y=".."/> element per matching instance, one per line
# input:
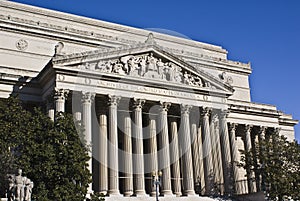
<point x="149" y="66"/>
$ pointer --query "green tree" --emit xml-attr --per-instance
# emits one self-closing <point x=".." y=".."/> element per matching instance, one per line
<point x="50" y="153"/>
<point x="279" y="165"/>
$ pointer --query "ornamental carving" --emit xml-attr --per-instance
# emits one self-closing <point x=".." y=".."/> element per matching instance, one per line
<point x="21" y="44"/>
<point x="149" y="66"/>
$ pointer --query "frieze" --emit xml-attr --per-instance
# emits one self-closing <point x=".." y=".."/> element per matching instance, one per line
<point x="149" y="66"/>
<point x="151" y="90"/>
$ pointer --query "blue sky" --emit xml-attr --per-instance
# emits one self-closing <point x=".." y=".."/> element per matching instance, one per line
<point x="264" y="32"/>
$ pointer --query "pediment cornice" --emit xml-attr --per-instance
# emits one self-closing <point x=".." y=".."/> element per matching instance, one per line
<point x="146" y="60"/>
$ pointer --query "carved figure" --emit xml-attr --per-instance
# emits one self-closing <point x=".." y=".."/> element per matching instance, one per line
<point x="118" y="68"/>
<point x="133" y="64"/>
<point x="142" y="69"/>
<point x="11" y="187"/>
<point x="19" y="186"/>
<point x="151" y="63"/>
<point x="28" y="189"/>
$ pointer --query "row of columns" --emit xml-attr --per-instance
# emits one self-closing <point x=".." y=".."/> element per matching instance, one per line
<point x="200" y="164"/>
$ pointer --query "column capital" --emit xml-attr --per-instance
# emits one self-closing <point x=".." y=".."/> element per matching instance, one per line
<point x="138" y="103"/>
<point x="60" y="94"/>
<point x="206" y="111"/>
<point x="262" y="129"/>
<point x="248" y="128"/>
<point x="277" y="130"/>
<point x="113" y="100"/>
<point x="87" y="97"/>
<point x="224" y="114"/>
<point x="185" y="109"/>
<point x="232" y="127"/>
<point x="164" y="106"/>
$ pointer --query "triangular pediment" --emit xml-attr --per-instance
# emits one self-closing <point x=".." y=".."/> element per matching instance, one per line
<point x="148" y="62"/>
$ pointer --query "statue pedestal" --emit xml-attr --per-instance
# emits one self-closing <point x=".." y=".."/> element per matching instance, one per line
<point x="3" y="199"/>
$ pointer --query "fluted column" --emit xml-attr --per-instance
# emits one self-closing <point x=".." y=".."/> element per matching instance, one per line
<point x="174" y="149"/>
<point x="103" y="176"/>
<point x="138" y="148"/>
<point x="128" y="191"/>
<point x="248" y="147"/>
<point x="235" y="159"/>
<point x="207" y="151"/>
<point x="262" y="138"/>
<point x="60" y="96"/>
<point x="195" y="152"/>
<point x="185" y="145"/>
<point x="113" y="146"/>
<point x="226" y="158"/>
<point x="218" y="157"/>
<point x="201" y="179"/>
<point x="164" y="158"/>
<point x="153" y="150"/>
<point x="87" y="99"/>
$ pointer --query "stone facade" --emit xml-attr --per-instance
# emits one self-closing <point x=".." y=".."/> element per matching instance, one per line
<point x="148" y="101"/>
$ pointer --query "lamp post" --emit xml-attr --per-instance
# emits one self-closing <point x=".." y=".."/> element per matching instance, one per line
<point x="156" y="176"/>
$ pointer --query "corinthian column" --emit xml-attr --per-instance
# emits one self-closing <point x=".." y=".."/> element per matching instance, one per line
<point x="235" y="159"/>
<point x="60" y="96"/>
<point x="164" y="147"/>
<point x="248" y="147"/>
<point x="113" y="146"/>
<point x="87" y="99"/>
<point x="195" y="152"/>
<point x="207" y="151"/>
<point x="174" y="149"/>
<point x="128" y="191"/>
<point x="185" y="145"/>
<point x="225" y="147"/>
<point x="138" y="148"/>
<point x="153" y="150"/>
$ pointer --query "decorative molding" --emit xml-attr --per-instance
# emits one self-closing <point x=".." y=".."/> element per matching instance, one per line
<point x="185" y="109"/>
<point x="113" y="100"/>
<point x="164" y="106"/>
<point x="87" y="97"/>
<point x="138" y="103"/>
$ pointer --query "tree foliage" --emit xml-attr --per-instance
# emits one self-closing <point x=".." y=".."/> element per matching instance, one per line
<point x="277" y="163"/>
<point x="50" y="153"/>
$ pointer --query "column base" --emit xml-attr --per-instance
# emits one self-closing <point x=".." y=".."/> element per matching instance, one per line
<point x="141" y="193"/>
<point x="167" y="193"/>
<point x="178" y="194"/>
<point x="114" y="193"/>
<point x="190" y="193"/>
<point x="128" y="193"/>
<point x="153" y="194"/>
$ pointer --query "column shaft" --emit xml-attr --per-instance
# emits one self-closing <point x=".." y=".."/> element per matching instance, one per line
<point x="207" y="151"/>
<point x="235" y="159"/>
<point x="113" y="161"/>
<point x="103" y="182"/>
<point x="128" y="191"/>
<point x="248" y="149"/>
<point x="226" y="158"/>
<point x="87" y="99"/>
<point x="153" y="151"/>
<point x="174" y="149"/>
<point x="185" y="145"/>
<point x="201" y="180"/>
<point x="139" y="149"/>
<point x="164" y="147"/>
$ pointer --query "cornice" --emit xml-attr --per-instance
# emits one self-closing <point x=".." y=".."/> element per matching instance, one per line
<point x="98" y="24"/>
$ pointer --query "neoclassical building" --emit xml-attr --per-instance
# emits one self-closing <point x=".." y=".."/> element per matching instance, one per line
<point x="149" y="102"/>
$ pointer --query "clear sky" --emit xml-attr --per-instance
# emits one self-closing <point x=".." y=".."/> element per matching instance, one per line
<point x="264" y="32"/>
